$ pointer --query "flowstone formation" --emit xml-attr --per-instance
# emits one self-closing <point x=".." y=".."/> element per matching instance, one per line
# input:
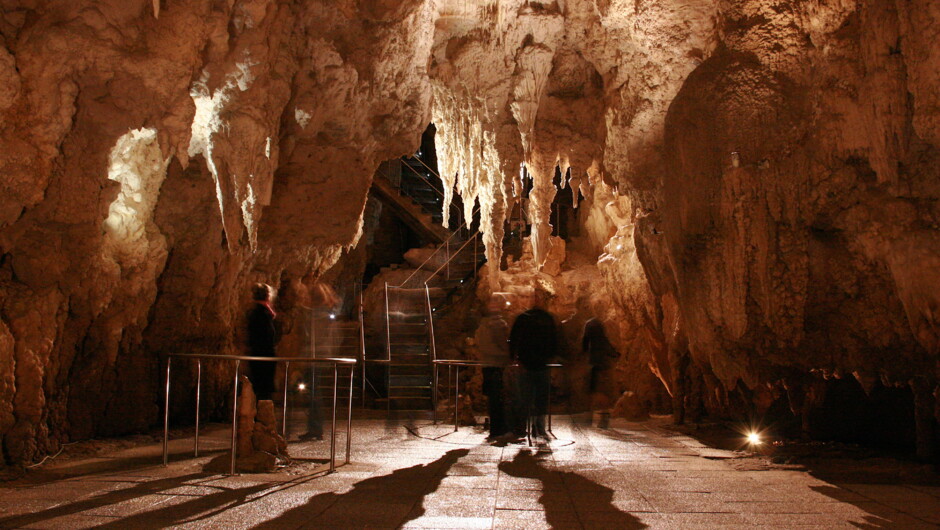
<point x="759" y="182"/>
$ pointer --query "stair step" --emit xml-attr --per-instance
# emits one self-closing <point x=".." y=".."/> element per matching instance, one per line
<point x="409" y="380"/>
<point x="413" y="390"/>
<point x="411" y="369"/>
<point x="411" y="359"/>
<point x="415" y="403"/>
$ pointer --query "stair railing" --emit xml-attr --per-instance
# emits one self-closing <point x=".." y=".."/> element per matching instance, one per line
<point x="433" y="357"/>
<point x="454" y="255"/>
<point x="445" y="246"/>
<point x="456" y="210"/>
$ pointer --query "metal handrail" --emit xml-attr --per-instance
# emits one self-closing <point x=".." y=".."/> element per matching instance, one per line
<point x="431" y="185"/>
<point x="388" y="326"/>
<point x="427" y="296"/>
<point x="447" y="264"/>
<point x="435" y="173"/>
<point x="422" y="177"/>
<point x="438" y="249"/>
<point x="335" y="361"/>
<point x="433" y="359"/>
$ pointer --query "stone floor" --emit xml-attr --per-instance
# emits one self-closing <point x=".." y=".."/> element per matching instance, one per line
<point x="412" y="474"/>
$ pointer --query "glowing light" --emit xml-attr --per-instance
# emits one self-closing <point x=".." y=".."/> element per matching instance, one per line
<point x="619" y="247"/>
<point x="301" y="386"/>
<point x="753" y="438"/>
<point x="332" y="316"/>
<point x="508" y="303"/>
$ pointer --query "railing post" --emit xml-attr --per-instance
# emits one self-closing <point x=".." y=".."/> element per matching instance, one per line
<point x="284" y="420"/>
<point x="427" y="294"/>
<point x="362" y="347"/>
<point x="388" y="353"/>
<point x="456" y="397"/>
<point x="388" y="327"/>
<point x="166" y="416"/>
<point x="333" y="431"/>
<point x="198" y="396"/>
<point x="433" y="352"/>
<point x="352" y="370"/>
<point x="238" y="364"/>
<point x="448" y="259"/>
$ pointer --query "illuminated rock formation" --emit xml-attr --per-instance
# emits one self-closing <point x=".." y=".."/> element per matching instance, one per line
<point x="760" y="179"/>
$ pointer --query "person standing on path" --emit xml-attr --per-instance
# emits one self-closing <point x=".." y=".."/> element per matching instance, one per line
<point x="602" y="355"/>
<point x="492" y="340"/>
<point x="262" y="338"/>
<point x="533" y="342"/>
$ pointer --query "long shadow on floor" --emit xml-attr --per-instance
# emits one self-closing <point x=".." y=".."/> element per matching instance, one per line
<point x="387" y="501"/>
<point x="528" y="465"/>
<point x="109" y="498"/>
<point x="123" y="465"/>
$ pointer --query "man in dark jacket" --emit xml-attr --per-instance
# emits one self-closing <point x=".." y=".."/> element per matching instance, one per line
<point x="262" y="337"/>
<point x="533" y="342"/>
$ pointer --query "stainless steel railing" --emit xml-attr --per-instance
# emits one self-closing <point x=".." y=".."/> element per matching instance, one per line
<point x="199" y="357"/>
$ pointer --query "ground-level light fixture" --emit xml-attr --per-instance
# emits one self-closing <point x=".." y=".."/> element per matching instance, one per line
<point x="332" y="316"/>
<point x="301" y="386"/>
<point x="753" y="438"/>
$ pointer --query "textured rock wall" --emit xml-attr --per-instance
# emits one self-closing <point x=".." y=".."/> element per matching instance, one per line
<point x="157" y="157"/>
<point x="779" y="159"/>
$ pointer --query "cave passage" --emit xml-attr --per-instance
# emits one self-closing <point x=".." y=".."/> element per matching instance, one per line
<point x="729" y="210"/>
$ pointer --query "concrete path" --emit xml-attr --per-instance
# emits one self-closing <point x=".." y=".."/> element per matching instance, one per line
<point x="417" y="475"/>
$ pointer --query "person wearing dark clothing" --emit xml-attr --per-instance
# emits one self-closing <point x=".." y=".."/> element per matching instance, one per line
<point x="533" y="342"/>
<point x="492" y="338"/>
<point x="602" y="355"/>
<point x="262" y="338"/>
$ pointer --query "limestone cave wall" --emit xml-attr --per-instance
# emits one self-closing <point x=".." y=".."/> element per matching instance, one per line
<point x="156" y="157"/>
<point x="762" y="178"/>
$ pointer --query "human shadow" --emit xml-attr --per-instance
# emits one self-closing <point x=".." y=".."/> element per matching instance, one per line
<point x="388" y="500"/>
<point x="123" y="465"/>
<point x="141" y="489"/>
<point x="591" y="497"/>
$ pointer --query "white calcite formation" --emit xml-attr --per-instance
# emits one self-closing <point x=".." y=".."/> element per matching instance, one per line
<point x="761" y="179"/>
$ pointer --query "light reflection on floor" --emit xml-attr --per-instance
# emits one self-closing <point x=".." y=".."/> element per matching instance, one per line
<point x="411" y="473"/>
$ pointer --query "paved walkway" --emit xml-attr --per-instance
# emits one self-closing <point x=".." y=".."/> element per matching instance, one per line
<point x="632" y="475"/>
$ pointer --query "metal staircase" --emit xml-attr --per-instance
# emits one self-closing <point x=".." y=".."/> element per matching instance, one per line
<point x="416" y="195"/>
<point x="411" y="309"/>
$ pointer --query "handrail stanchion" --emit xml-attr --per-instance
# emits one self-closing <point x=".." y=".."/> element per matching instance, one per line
<point x="238" y="364"/>
<point x="362" y="347"/>
<point x="434" y="382"/>
<point x="352" y="370"/>
<point x="198" y="397"/>
<point x="166" y="416"/>
<point x="456" y="397"/>
<point x="388" y="353"/>
<point x="427" y="296"/>
<point x="448" y="260"/>
<point x="333" y="430"/>
<point x="284" y="421"/>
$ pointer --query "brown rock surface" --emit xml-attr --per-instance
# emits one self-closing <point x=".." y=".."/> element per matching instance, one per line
<point x="760" y="180"/>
